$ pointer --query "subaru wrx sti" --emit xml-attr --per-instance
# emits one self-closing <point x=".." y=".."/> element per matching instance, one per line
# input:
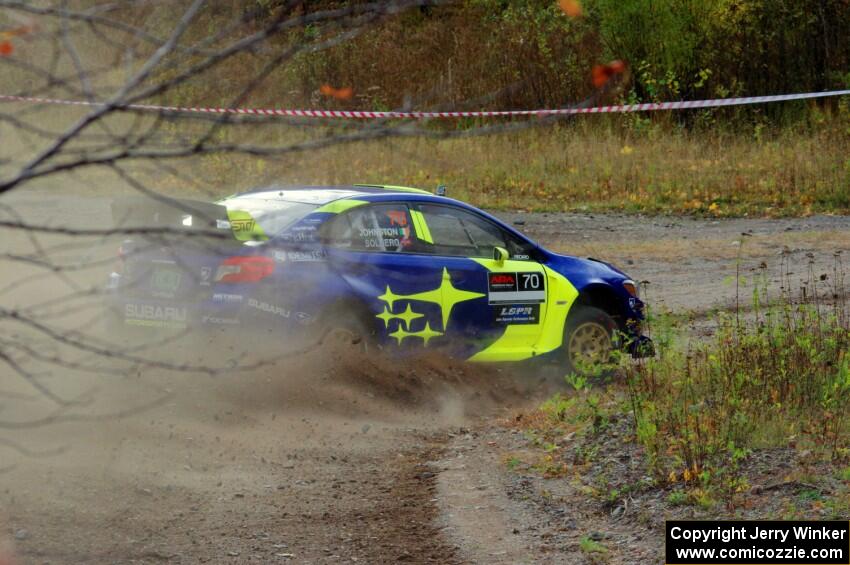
<point x="393" y="267"/>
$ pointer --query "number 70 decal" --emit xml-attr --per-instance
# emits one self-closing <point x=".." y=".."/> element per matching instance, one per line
<point x="516" y="288"/>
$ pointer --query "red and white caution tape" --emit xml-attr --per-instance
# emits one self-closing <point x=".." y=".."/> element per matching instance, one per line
<point x="369" y="115"/>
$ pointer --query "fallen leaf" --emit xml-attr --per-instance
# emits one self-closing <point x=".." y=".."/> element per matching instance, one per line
<point x="6" y="48"/>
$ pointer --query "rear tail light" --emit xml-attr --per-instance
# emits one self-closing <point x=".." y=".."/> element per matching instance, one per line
<point x="125" y="249"/>
<point x="244" y="269"/>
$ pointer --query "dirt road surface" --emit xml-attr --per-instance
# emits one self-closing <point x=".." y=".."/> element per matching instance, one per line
<point x="317" y="458"/>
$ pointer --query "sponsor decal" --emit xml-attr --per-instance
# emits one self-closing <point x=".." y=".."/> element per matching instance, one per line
<point x="222" y="225"/>
<point x="502" y="282"/>
<point x="517" y="288"/>
<point x="219" y="321"/>
<point x="225" y="298"/>
<point x="517" y="314"/>
<point x="242" y="225"/>
<point x="304" y="318"/>
<point x="245" y="227"/>
<point x="165" y="282"/>
<point x="305" y="256"/>
<point x="152" y="312"/>
<point x="270" y="308"/>
<point x="154" y="323"/>
<point x="300" y="234"/>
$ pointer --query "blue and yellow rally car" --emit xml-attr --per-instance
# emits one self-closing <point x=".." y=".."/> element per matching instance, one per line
<point x="396" y="267"/>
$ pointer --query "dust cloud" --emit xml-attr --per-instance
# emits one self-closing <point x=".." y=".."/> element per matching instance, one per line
<point x="106" y="443"/>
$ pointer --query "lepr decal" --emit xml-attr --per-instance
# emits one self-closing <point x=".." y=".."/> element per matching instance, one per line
<point x="517" y="313"/>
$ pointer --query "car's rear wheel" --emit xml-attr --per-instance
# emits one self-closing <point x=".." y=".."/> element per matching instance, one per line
<point x="346" y="329"/>
<point x="590" y="341"/>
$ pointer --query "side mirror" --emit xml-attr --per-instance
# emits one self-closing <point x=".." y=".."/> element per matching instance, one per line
<point x="500" y="255"/>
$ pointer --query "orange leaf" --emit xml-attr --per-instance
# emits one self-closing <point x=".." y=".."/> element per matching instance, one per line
<point x="344" y="93"/>
<point x="572" y="8"/>
<point x="601" y="74"/>
<point x="6" y="48"/>
<point x="339" y="93"/>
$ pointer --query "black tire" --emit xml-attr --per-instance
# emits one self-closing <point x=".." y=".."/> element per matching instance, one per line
<point x="590" y="342"/>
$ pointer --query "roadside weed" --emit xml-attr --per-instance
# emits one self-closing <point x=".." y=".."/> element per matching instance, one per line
<point x="590" y="546"/>
<point x="773" y="378"/>
<point x="777" y="372"/>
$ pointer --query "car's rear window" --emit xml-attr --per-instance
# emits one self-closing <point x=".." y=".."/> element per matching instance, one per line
<point x="272" y="215"/>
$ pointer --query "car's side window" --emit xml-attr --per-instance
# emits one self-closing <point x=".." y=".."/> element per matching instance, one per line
<point x="379" y="227"/>
<point x="460" y="233"/>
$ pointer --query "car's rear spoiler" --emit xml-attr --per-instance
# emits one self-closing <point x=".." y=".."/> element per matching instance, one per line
<point x="170" y="213"/>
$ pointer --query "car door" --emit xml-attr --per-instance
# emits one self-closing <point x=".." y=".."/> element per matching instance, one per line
<point x="373" y="248"/>
<point x="506" y="320"/>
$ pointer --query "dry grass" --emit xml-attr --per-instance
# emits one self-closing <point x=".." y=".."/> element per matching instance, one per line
<point x="595" y="164"/>
<point x="590" y="166"/>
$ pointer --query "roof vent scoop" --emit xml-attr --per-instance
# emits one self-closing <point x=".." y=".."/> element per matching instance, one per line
<point x="441" y="190"/>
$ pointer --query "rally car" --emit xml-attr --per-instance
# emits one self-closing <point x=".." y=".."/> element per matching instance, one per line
<point x="394" y="267"/>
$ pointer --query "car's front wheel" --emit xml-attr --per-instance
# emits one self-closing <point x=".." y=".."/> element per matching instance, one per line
<point x="590" y="340"/>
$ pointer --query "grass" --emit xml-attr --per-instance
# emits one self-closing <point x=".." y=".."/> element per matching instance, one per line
<point x="592" y="164"/>
<point x="776" y="381"/>
<point x="598" y="164"/>
<point x="588" y="545"/>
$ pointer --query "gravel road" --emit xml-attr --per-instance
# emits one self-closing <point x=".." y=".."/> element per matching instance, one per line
<point x="320" y="458"/>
